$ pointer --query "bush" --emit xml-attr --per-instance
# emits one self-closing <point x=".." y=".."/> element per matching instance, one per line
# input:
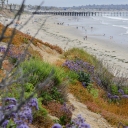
<point x="114" y="89"/>
<point x="62" y="112"/>
<point x="84" y="78"/>
<point x="38" y="71"/>
<point x="92" y="90"/>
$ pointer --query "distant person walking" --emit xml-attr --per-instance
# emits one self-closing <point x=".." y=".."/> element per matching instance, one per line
<point x="86" y="37"/>
<point x="91" y="28"/>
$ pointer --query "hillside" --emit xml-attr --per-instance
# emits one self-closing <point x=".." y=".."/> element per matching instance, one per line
<point x="80" y="93"/>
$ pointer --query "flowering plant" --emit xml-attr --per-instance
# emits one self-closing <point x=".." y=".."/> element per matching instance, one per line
<point x="21" y="118"/>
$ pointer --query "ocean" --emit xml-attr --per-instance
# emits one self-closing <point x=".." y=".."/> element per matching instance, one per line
<point x="101" y="27"/>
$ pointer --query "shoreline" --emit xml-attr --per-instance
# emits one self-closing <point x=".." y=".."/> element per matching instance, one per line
<point x="68" y="37"/>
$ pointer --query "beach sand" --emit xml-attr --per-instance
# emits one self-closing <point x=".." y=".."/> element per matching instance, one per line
<point x="66" y="36"/>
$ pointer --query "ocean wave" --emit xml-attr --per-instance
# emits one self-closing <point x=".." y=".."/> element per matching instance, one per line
<point x="116" y="18"/>
<point x="120" y="26"/>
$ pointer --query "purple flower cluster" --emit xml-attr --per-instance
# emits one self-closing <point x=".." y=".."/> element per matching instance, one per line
<point x="56" y="126"/>
<point x="22" y="117"/>
<point x="2" y="49"/>
<point x="121" y="91"/>
<point x="11" y="52"/>
<point x="33" y="103"/>
<point x="78" y="122"/>
<point x="67" y="109"/>
<point x="117" y="97"/>
<point x="124" y="96"/>
<point x="79" y="65"/>
<point x="113" y="97"/>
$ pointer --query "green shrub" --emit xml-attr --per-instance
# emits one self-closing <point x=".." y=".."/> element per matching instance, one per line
<point x="125" y="90"/>
<point x="28" y="87"/>
<point x="52" y="94"/>
<point x="13" y="60"/>
<point x="72" y="76"/>
<point x="92" y="90"/>
<point x="84" y="77"/>
<point x="114" y="89"/>
<point x="38" y="71"/>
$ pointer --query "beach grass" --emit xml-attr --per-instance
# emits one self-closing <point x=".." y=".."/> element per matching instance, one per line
<point x="97" y="100"/>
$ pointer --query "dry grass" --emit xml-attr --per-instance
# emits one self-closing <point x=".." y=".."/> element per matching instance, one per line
<point x="42" y="122"/>
<point x="2" y="74"/>
<point x="113" y="112"/>
<point x="76" y="53"/>
<point x="21" y="38"/>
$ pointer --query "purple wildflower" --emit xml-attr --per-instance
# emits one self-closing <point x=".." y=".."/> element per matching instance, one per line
<point x="9" y="107"/>
<point x="22" y="126"/>
<point x="5" y="123"/>
<point x="78" y="122"/>
<point x="124" y="96"/>
<point x="121" y="91"/>
<point x="33" y="103"/>
<point x="11" y="100"/>
<point x="85" y="125"/>
<point x="56" y="126"/>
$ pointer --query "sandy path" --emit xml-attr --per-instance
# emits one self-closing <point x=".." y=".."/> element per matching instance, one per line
<point x="95" y="120"/>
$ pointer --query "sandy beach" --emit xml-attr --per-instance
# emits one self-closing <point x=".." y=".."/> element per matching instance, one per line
<point x="57" y="31"/>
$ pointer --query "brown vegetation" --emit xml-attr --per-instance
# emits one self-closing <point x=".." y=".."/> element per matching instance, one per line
<point x="113" y="112"/>
<point x="21" y="38"/>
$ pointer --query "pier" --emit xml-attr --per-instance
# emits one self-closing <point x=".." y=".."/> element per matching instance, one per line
<point x="84" y="13"/>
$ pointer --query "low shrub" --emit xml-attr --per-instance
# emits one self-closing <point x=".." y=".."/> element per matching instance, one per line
<point x="84" y="78"/>
<point x="38" y="71"/>
<point x="93" y="91"/>
<point x="62" y="111"/>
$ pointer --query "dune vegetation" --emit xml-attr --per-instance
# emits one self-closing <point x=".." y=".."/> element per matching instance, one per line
<point x="76" y="72"/>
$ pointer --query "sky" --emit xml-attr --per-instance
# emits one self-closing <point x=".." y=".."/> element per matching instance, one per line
<point x="69" y="3"/>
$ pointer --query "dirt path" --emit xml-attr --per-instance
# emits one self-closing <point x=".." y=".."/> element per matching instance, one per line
<point x="48" y="55"/>
<point x="95" y="120"/>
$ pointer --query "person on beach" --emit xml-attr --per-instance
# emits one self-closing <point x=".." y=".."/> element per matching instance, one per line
<point x="86" y="37"/>
<point x="91" y="28"/>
